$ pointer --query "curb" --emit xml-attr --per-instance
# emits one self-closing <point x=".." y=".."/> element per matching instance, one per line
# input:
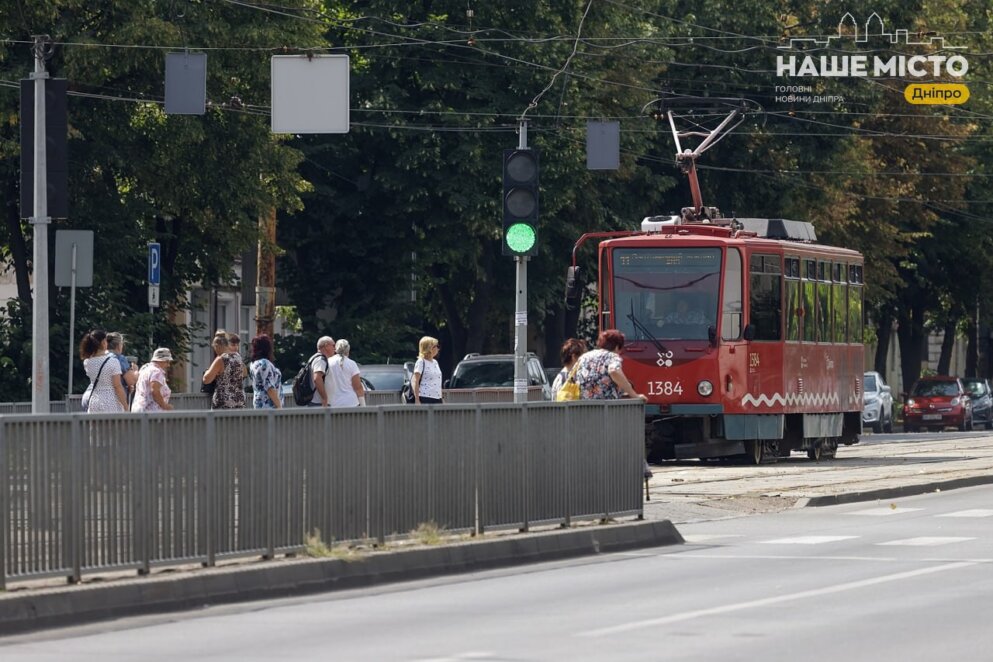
<point x="893" y="492"/>
<point x="84" y="604"/>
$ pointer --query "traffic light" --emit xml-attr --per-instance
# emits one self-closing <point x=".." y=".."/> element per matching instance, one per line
<point x="520" y="202"/>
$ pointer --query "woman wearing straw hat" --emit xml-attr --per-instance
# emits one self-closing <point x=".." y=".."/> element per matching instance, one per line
<point x="152" y="392"/>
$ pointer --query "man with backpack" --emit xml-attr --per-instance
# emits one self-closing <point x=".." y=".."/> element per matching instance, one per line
<point x="310" y="379"/>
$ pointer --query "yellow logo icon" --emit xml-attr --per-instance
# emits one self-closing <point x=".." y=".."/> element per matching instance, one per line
<point x="936" y="93"/>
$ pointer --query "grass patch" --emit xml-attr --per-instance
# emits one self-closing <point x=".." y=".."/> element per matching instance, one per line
<point x="428" y="533"/>
<point x="315" y="547"/>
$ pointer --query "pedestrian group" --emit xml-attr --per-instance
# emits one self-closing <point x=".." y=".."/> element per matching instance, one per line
<point x="117" y="384"/>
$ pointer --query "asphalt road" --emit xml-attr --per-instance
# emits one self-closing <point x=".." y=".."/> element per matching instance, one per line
<point x="910" y="579"/>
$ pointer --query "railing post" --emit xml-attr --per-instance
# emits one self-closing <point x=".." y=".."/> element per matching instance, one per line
<point x="143" y="507"/>
<point x="376" y="477"/>
<point x="73" y="525"/>
<point x="208" y="488"/>
<point x="604" y="453"/>
<point x="478" y="470"/>
<point x="5" y="506"/>
<point x="525" y="467"/>
<point x="270" y="487"/>
<point x="567" y="454"/>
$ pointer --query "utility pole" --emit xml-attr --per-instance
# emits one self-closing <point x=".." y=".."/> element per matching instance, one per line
<point x="521" y="308"/>
<point x="265" y="283"/>
<point x="40" y="221"/>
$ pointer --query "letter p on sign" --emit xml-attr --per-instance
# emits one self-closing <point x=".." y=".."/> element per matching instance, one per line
<point x="154" y="263"/>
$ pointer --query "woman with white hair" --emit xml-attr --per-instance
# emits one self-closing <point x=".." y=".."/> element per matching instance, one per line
<point x="346" y="385"/>
<point x="152" y="392"/>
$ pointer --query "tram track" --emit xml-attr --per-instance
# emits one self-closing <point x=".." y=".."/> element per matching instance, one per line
<point x="899" y="461"/>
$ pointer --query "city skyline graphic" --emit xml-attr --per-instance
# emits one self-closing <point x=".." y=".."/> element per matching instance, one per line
<point x="874" y="28"/>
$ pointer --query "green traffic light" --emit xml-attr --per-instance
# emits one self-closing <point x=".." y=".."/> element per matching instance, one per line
<point x="520" y="237"/>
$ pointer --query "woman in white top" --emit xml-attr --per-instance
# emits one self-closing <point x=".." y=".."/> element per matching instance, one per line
<point x="343" y="375"/>
<point x="152" y="392"/>
<point x="426" y="381"/>
<point x="104" y="372"/>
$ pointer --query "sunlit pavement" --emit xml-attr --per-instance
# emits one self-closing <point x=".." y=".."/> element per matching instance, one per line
<point x="692" y="490"/>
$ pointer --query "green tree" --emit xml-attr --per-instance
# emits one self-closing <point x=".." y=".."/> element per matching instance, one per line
<point x="196" y="184"/>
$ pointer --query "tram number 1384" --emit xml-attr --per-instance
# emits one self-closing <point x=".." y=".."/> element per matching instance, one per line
<point x="665" y="388"/>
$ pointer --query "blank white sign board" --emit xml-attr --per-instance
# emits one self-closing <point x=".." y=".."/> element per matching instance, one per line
<point x="310" y="94"/>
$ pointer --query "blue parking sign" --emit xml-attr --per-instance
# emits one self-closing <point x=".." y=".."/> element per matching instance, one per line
<point x="154" y="263"/>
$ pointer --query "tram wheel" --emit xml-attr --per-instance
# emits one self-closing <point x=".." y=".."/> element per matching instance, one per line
<point x="755" y="451"/>
<point x="814" y="452"/>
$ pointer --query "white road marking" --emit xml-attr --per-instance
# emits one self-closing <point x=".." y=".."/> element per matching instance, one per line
<point x="471" y="655"/>
<point x="765" y="602"/>
<point x="975" y="512"/>
<point x="806" y="540"/>
<point x="924" y="541"/>
<point x="707" y="537"/>
<point x="886" y="510"/>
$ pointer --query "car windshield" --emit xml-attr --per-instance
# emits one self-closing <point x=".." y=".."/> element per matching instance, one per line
<point x="870" y="383"/>
<point x="475" y="375"/>
<point x="384" y="380"/>
<point x="929" y="389"/>
<point x="666" y="293"/>
<point x="974" y="387"/>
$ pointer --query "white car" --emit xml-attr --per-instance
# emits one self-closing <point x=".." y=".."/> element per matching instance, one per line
<point x="877" y="403"/>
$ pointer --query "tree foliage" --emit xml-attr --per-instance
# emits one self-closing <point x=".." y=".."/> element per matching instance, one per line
<point x="393" y="230"/>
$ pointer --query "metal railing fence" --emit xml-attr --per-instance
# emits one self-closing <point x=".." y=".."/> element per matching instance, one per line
<point x="84" y="493"/>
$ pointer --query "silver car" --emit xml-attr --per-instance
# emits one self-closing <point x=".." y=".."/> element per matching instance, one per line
<point x="877" y="403"/>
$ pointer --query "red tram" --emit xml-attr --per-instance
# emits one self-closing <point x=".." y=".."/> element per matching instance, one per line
<point x="744" y="333"/>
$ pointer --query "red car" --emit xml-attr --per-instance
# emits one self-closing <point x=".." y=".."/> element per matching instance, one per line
<point x="937" y="403"/>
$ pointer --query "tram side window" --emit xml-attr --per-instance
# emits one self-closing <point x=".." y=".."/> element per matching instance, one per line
<point x="766" y="301"/>
<point x="855" y="303"/>
<point x="731" y="314"/>
<point x="605" y="284"/>
<point x="823" y="303"/>
<point x="840" y="299"/>
<point x="794" y="316"/>
<point x="809" y="300"/>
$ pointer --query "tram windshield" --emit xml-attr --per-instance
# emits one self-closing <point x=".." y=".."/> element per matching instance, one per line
<point x="666" y="293"/>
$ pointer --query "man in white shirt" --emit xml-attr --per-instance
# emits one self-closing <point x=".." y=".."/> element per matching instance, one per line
<point x="319" y="369"/>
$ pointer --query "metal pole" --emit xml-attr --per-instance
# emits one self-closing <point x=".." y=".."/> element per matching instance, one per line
<point x="72" y="320"/>
<point x="521" y="310"/>
<point x="40" y="221"/>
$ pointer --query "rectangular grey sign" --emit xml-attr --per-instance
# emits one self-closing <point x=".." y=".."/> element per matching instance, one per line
<point x="603" y="145"/>
<point x="64" y="240"/>
<point x="186" y="83"/>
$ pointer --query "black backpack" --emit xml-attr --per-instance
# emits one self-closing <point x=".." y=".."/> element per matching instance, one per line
<point x="303" y="383"/>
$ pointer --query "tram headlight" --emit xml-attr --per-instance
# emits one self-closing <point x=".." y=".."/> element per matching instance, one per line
<point x="704" y="388"/>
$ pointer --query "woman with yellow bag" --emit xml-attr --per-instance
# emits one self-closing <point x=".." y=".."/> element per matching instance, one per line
<point x="564" y="387"/>
<point x="599" y="375"/>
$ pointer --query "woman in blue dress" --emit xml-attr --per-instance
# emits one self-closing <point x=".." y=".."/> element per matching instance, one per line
<point x="266" y="379"/>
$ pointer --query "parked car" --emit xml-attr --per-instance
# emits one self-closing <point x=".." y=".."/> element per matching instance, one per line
<point x="497" y="370"/>
<point x="877" y="403"/>
<point x="385" y="376"/>
<point x="937" y="402"/>
<point x="982" y="400"/>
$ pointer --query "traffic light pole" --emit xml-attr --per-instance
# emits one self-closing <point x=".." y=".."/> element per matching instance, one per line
<point x="521" y="309"/>
<point x="40" y="221"/>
